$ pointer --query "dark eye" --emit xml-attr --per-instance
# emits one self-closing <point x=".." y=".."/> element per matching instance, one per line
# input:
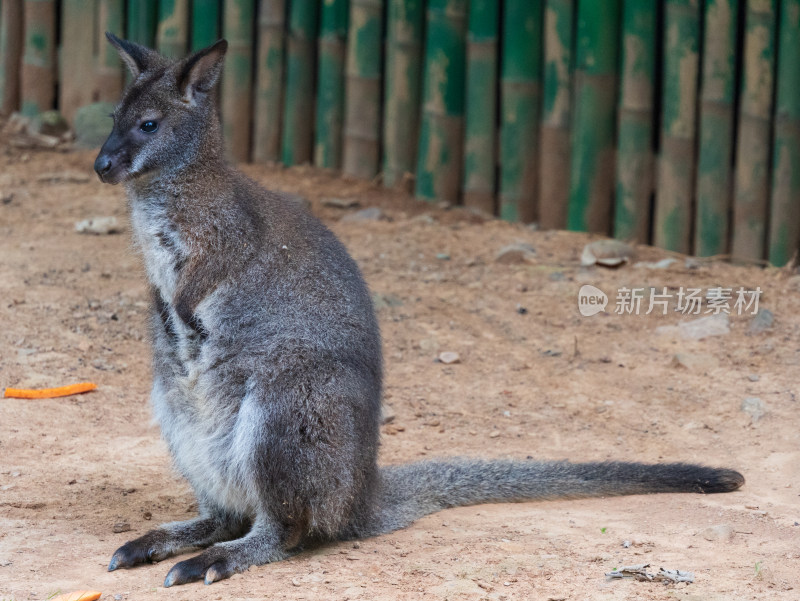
<point x="149" y="127"/>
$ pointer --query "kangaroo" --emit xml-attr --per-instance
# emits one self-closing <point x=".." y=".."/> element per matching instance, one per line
<point x="267" y="356"/>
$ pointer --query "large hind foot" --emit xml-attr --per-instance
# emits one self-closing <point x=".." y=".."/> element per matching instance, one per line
<point x="260" y="546"/>
<point x="170" y="539"/>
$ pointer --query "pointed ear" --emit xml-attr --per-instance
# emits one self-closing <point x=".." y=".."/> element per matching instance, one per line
<point x="200" y="72"/>
<point x="137" y="58"/>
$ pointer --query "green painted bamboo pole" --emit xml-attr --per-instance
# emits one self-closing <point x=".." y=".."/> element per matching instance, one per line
<point x="717" y="94"/>
<point x="11" y="27"/>
<point x="751" y="179"/>
<point x="298" y="118"/>
<point x="520" y="103"/>
<point x="554" y="150"/>
<point x="76" y="64"/>
<point x="237" y="81"/>
<point x="172" y="35"/>
<point x="109" y="74"/>
<point x="38" y="59"/>
<point x="635" y="164"/>
<point x="404" y="25"/>
<point x="363" y="89"/>
<point x="441" y="136"/>
<point x="330" y="84"/>
<point x="268" y="108"/>
<point x="592" y="164"/>
<point x="141" y="22"/>
<point x="784" y="229"/>
<point x="205" y="23"/>
<point x="480" y="129"/>
<point x="675" y="182"/>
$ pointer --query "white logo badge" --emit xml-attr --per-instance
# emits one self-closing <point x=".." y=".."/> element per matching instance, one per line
<point x="591" y="300"/>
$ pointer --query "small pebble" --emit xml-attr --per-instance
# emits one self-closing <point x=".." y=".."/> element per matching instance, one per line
<point x="753" y="377"/>
<point x="762" y="322"/>
<point x="515" y="253"/>
<point x="721" y="532"/>
<point x="370" y="214"/>
<point x="340" y="203"/>
<point x="98" y="226"/>
<point x="754" y="407"/>
<point x="121" y="527"/>
<point x="387" y="414"/>
<point x="449" y="357"/>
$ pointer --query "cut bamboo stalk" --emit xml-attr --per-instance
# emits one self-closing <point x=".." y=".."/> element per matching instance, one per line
<point x="784" y="229"/>
<point x="142" y="21"/>
<point x="751" y="179"/>
<point x="38" y="59"/>
<point x="11" y="26"/>
<point x="108" y="71"/>
<point x="172" y="35"/>
<point x="205" y="23"/>
<point x="717" y="96"/>
<point x="268" y="109"/>
<point x="363" y="89"/>
<point x="594" y="117"/>
<point x="520" y="101"/>
<point x="237" y="81"/>
<point x="554" y="153"/>
<point x="675" y="182"/>
<point x="330" y="84"/>
<point x="298" y="118"/>
<point x="480" y="143"/>
<point x="76" y="76"/>
<point x="635" y="164"/>
<point x="441" y="129"/>
<point x="404" y="25"/>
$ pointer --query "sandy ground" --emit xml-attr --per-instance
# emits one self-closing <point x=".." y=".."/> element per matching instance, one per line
<point x="535" y="378"/>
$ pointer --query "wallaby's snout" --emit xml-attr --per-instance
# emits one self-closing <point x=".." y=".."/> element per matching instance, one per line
<point x="109" y="164"/>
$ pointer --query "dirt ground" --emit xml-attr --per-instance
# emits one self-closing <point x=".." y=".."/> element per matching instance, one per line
<point x="535" y="378"/>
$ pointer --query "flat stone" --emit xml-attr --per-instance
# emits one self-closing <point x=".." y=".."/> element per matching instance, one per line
<point x="121" y="527"/>
<point x="369" y="214"/>
<point x="762" y="322"/>
<point x="721" y="532"/>
<point x="606" y="252"/>
<point x="98" y="226"/>
<point x="449" y="357"/>
<point x="754" y="407"/>
<point x="515" y="254"/>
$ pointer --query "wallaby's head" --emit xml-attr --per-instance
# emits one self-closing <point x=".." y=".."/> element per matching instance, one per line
<point x="167" y="114"/>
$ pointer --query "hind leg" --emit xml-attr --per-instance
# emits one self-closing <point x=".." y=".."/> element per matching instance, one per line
<point x="262" y="544"/>
<point x="171" y="539"/>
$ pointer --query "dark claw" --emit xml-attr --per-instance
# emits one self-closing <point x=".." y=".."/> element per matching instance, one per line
<point x="129" y="555"/>
<point x="204" y="567"/>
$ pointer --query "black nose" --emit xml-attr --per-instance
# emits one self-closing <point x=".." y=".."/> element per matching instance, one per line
<point x="103" y="165"/>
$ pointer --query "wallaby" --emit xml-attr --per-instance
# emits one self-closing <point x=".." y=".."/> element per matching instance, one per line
<point x="267" y="356"/>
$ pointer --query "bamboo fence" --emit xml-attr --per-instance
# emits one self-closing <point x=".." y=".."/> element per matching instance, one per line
<point x="669" y="122"/>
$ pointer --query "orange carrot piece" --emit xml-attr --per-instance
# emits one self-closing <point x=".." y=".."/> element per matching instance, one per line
<point x="78" y="596"/>
<point x="49" y="393"/>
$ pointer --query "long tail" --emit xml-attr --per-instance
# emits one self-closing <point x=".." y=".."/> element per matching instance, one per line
<point x="411" y="491"/>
